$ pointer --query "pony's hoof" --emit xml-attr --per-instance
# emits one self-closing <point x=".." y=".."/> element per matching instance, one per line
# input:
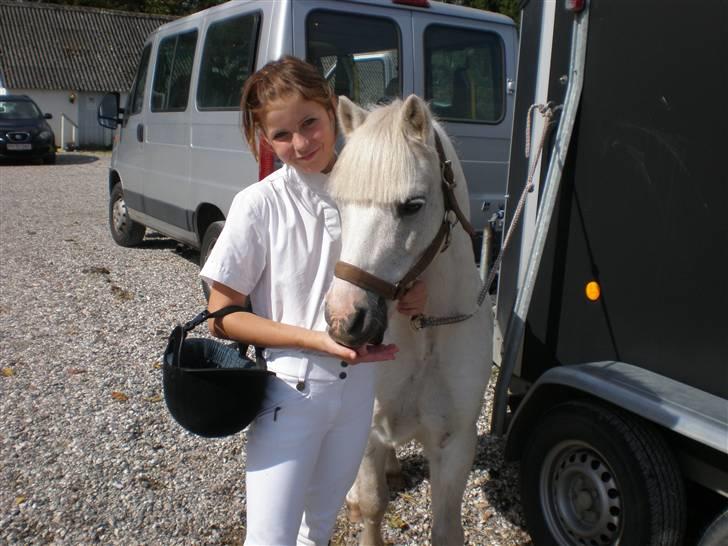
<point x="352" y="509"/>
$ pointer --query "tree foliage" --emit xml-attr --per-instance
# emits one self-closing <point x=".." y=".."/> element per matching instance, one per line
<point x="506" y="7"/>
<point x="185" y="7"/>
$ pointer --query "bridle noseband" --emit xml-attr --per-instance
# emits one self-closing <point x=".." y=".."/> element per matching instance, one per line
<point x="391" y="291"/>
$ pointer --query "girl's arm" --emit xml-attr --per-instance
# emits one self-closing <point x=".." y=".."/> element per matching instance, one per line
<point x="255" y="330"/>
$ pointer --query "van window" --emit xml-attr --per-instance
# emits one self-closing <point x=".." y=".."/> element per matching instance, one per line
<point x="228" y="59"/>
<point x="357" y="54"/>
<point x="172" y="72"/>
<point x="136" y="96"/>
<point x="464" y="74"/>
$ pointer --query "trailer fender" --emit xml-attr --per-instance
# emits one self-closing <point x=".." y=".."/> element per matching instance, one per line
<point x="685" y="410"/>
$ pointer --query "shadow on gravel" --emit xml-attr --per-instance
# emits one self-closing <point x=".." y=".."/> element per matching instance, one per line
<point x="157" y="241"/>
<point x="500" y="488"/>
<point x="64" y="158"/>
<point x="69" y="158"/>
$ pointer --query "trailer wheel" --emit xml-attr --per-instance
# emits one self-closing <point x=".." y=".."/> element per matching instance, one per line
<point x="208" y="241"/>
<point x="124" y="230"/>
<point x="717" y="532"/>
<point x="591" y="475"/>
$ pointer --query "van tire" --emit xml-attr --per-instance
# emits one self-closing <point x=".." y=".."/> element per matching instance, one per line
<point x="125" y="231"/>
<point x="591" y="474"/>
<point x="208" y="242"/>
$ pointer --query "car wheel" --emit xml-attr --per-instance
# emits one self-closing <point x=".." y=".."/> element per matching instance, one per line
<point x="124" y="230"/>
<point x="208" y="242"/>
<point x="50" y="159"/>
<point x="591" y="475"/>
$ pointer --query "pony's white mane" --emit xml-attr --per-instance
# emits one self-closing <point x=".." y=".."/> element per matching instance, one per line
<point x="379" y="163"/>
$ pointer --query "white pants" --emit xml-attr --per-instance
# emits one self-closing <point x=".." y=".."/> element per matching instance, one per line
<point x="303" y="453"/>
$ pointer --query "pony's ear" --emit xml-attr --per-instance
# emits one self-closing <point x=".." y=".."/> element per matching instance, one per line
<point x="350" y="115"/>
<point x="416" y="119"/>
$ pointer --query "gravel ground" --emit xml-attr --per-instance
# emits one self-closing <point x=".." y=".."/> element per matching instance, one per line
<point x="88" y="453"/>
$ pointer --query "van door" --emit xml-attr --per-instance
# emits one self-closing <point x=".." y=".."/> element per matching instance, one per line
<point x="167" y="193"/>
<point x="221" y="162"/>
<point x="463" y="70"/>
<point x="360" y="54"/>
<point x="128" y="156"/>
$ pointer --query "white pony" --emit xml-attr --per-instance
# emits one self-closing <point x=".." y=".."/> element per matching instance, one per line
<point x="388" y="185"/>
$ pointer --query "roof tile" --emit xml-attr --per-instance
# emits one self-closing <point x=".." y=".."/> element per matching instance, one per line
<point x="49" y="46"/>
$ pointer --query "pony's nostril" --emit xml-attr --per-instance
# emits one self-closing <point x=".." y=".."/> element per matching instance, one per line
<point x="356" y="326"/>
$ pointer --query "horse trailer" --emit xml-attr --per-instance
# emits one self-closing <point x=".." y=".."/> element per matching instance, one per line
<point x="613" y="382"/>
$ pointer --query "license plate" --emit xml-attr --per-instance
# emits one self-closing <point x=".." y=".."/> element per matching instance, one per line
<point x="20" y="146"/>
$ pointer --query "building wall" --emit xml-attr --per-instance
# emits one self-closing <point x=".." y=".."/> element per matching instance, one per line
<point x="77" y="107"/>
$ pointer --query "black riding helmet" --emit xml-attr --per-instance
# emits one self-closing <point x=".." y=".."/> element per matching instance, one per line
<point x="211" y="389"/>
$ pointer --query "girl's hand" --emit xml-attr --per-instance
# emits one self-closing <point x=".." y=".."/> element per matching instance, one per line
<point x="365" y="353"/>
<point x="413" y="301"/>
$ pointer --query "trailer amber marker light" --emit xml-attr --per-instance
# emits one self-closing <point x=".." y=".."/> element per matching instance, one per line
<point x="593" y="290"/>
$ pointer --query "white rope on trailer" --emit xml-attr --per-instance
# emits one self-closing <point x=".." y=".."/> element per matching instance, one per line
<point x="548" y="111"/>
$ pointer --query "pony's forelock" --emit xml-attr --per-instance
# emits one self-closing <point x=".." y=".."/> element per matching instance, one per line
<point x="386" y="163"/>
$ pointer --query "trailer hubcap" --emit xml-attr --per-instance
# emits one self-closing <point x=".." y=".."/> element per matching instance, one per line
<point x="580" y="496"/>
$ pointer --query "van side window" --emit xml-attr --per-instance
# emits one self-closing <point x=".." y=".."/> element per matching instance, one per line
<point x="464" y="74"/>
<point x="228" y="59"/>
<point x="136" y="96"/>
<point x="172" y="72"/>
<point x="357" y="54"/>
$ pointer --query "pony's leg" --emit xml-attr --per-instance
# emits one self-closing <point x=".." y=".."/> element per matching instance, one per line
<point x="372" y="491"/>
<point x="450" y="462"/>
<point x="394" y="470"/>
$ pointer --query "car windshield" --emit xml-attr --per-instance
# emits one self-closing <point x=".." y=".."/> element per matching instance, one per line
<point x="19" y="109"/>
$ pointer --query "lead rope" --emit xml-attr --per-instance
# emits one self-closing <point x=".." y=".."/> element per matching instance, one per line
<point x="548" y="111"/>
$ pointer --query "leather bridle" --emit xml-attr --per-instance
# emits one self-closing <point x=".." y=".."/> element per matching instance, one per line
<point x="394" y="291"/>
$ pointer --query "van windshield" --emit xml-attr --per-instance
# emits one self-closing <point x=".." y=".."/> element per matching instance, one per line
<point x="19" y="109"/>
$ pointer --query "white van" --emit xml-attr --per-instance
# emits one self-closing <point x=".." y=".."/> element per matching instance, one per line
<point x="179" y="156"/>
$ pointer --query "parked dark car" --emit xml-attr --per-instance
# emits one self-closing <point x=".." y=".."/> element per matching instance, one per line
<point x="24" y="131"/>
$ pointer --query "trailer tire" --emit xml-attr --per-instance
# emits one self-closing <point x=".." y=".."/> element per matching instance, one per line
<point x="592" y="475"/>
<point x="208" y="242"/>
<point x="125" y="231"/>
<point x="717" y="532"/>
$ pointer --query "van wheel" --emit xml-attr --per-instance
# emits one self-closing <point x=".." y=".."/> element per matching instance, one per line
<point x="124" y="230"/>
<point x="208" y="241"/>
<point x="591" y="475"/>
<point x="50" y="159"/>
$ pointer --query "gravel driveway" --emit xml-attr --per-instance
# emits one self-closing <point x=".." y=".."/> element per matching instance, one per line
<point x="88" y="453"/>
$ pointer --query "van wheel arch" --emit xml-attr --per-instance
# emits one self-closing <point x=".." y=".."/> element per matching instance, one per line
<point x="208" y="242"/>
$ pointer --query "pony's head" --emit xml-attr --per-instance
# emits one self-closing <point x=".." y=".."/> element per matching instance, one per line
<point x="387" y="184"/>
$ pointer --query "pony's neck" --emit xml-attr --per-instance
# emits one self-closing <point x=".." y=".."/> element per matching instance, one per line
<point x="452" y="278"/>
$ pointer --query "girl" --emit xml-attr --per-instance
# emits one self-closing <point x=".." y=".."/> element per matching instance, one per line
<point x="277" y="250"/>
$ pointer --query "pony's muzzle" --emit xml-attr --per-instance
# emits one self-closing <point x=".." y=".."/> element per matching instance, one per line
<point x="355" y="316"/>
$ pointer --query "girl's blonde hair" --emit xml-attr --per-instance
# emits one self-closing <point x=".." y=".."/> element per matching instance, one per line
<point x="278" y="80"/>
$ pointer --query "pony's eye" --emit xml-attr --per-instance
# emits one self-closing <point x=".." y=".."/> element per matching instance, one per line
<point x="413" y="206"/>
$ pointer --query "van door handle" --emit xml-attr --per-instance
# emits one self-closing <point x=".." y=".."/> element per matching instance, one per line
<point x="140" y="132"/>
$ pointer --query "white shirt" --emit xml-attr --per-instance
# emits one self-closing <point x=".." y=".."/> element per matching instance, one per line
<point x="281" y="240"/>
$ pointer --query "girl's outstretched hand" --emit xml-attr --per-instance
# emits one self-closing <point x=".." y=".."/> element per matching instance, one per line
<point x="365" y="353"/>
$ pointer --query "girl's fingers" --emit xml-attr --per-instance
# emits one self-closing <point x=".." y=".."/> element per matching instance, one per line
<point x="375" y="353"/>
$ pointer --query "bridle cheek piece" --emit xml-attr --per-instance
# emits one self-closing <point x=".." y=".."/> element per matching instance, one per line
<point x="453" y="215"/>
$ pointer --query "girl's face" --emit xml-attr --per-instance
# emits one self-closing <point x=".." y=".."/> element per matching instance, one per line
<point x="301" y="133"/>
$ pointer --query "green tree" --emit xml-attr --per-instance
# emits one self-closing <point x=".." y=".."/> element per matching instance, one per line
<point x="506" y="7"/>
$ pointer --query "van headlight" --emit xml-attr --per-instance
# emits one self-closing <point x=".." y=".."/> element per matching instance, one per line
<point x="44" y="135"/>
